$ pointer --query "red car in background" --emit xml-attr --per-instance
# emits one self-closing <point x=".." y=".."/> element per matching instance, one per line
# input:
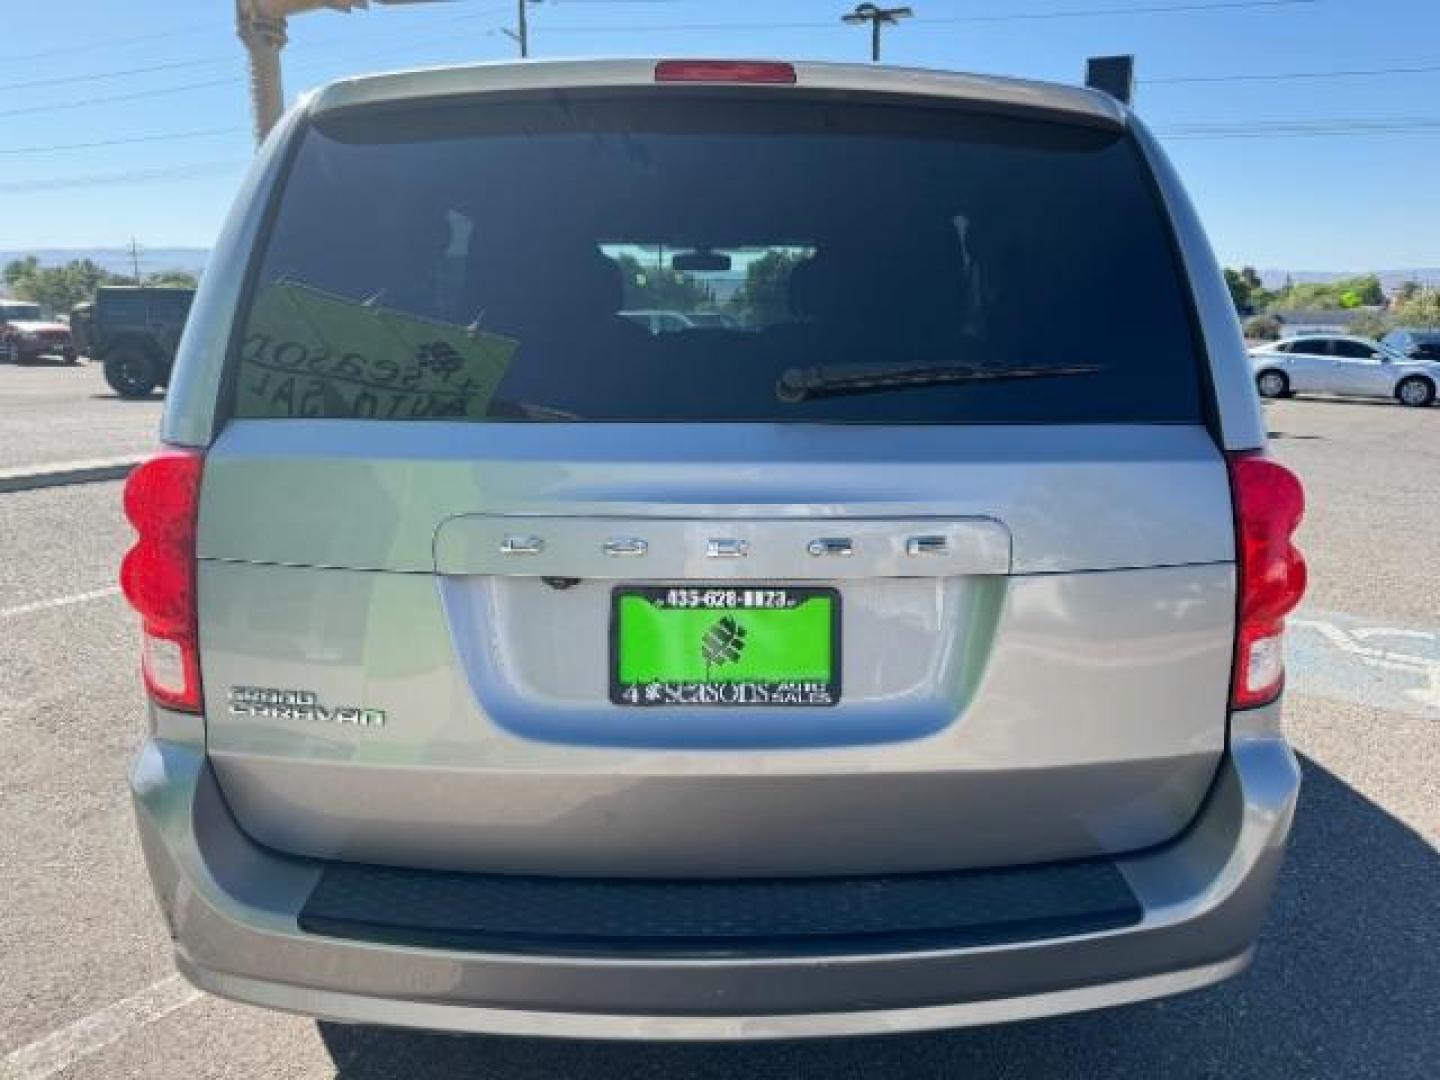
<point x="27" y="333"/>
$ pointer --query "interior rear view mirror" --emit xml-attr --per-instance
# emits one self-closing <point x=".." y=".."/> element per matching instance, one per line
<point x="701" y="262"/>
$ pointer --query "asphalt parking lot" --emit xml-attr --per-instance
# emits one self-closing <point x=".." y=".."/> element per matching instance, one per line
<point x="1346" y="982"/>
<point x="50" y="413"/>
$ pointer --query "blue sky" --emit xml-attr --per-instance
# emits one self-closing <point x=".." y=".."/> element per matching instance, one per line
<point x="84" y="71"/>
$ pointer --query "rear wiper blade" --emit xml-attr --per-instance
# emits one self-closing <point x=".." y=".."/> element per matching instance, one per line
<point x="833" y="380"/>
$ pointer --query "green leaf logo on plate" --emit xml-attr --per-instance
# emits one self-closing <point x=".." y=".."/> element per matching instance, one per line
<point x="722" y="643"/>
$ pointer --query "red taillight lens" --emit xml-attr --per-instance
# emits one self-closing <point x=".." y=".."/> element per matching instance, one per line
<point x="1269" y="503"/>
<point x="724" y="71"/>
<point x="162" y="500"/>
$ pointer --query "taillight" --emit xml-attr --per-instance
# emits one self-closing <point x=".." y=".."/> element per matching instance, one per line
<point x="724" y="71"/>
<point x="1269" y="503"/>
<point x="162" y="501"/>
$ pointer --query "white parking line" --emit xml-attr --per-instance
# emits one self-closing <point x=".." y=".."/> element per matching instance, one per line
<point x="58" y="602"/>
<point x="59" y="1050"/>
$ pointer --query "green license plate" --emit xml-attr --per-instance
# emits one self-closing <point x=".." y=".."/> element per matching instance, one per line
<point x="732" y="646"/>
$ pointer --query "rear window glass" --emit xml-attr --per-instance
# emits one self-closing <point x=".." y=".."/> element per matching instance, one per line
<point x="701" y="259"/>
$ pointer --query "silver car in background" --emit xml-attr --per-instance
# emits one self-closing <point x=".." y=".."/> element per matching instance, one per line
<point x="901" y="651"/>
<point x="1346" y="365"/>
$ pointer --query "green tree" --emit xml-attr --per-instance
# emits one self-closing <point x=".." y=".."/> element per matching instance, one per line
<point x="1262" y="328"/>
<point x="1407" y="290"/>
<point x="1240" y="290"/>
<point x="764" y="298"/>
<point x="1247" y="291"/>
<point x="1421" y="310"/>
<point x="661" y="288"/>
<point x="17" y="270"/>
<point x="1367" y="287"/>
<point x="1370" y="324"/>
<point x="57" y="287"/>
<point x="1362" y="291"/>
<point x="173" y="279"/>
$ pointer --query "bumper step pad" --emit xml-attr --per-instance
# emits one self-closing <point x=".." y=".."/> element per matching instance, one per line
<point x="729" y="918"/>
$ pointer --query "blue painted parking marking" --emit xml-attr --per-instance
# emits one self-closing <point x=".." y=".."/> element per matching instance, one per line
<point x="1365" y="662"/>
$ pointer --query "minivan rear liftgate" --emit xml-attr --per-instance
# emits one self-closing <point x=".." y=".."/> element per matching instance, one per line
<point x="1033" y="626"/>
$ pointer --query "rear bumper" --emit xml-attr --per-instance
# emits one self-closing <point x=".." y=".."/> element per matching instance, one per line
<point x="234" y="911"/>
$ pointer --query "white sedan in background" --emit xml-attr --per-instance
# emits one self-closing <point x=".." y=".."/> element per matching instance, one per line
<point x="1341" y="364"/>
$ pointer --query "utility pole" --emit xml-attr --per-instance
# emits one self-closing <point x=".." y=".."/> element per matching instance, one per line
<point x="521" y="34"/>
<point x="876" y="17"/>
<point x="135" y="259"/>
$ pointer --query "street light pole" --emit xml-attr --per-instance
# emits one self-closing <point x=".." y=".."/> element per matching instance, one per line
<point x="261" y="27"/>
<point x="263" y="35"/>
<point x="876" y="17"/>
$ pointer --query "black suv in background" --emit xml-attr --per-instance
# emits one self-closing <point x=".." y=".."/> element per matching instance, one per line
<point x="134" y="333"/>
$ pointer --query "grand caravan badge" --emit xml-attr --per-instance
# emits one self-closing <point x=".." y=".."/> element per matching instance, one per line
<point x="273" y="704"/>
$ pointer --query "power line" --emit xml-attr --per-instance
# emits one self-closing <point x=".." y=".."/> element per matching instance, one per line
<point x="140" y="39"/>
<point x="1281" y="76"/>
<point x="1016" y="16"/>
<point x="120" y="73"/>
<point x="494" y="9"/>
<point x="1317" y="133"/>
<point x="207" y="61"/>
<point x="130" y="176"/>
<point x="170" y="136"/>
<point x="228" y="59"/>
<point x="81" y="103"/>
<point x="1153" y="9"/>
<point x="1423" y="67"/>
<point x="110" y="43"/>
<point x="1305" y="122"/>
<point x="308" y="62"/>
<point x="1285" y="129"/>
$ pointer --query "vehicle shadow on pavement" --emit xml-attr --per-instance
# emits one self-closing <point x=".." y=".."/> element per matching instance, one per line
<point x="1345" y="984"/>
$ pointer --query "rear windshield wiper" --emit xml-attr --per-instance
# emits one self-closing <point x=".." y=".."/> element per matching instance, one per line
<point x="834" y="380"/>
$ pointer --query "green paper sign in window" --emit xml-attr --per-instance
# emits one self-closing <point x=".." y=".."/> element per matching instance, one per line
<point x="308" y="353"/>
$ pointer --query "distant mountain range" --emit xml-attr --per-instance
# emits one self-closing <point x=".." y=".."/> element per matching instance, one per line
<point x="117" y="260"/>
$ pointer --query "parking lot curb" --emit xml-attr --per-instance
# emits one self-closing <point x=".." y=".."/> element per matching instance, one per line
<point x="63" y="473"/>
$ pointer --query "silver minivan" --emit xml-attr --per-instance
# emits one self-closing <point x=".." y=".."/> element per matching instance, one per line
<point x="899" y="646"/>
